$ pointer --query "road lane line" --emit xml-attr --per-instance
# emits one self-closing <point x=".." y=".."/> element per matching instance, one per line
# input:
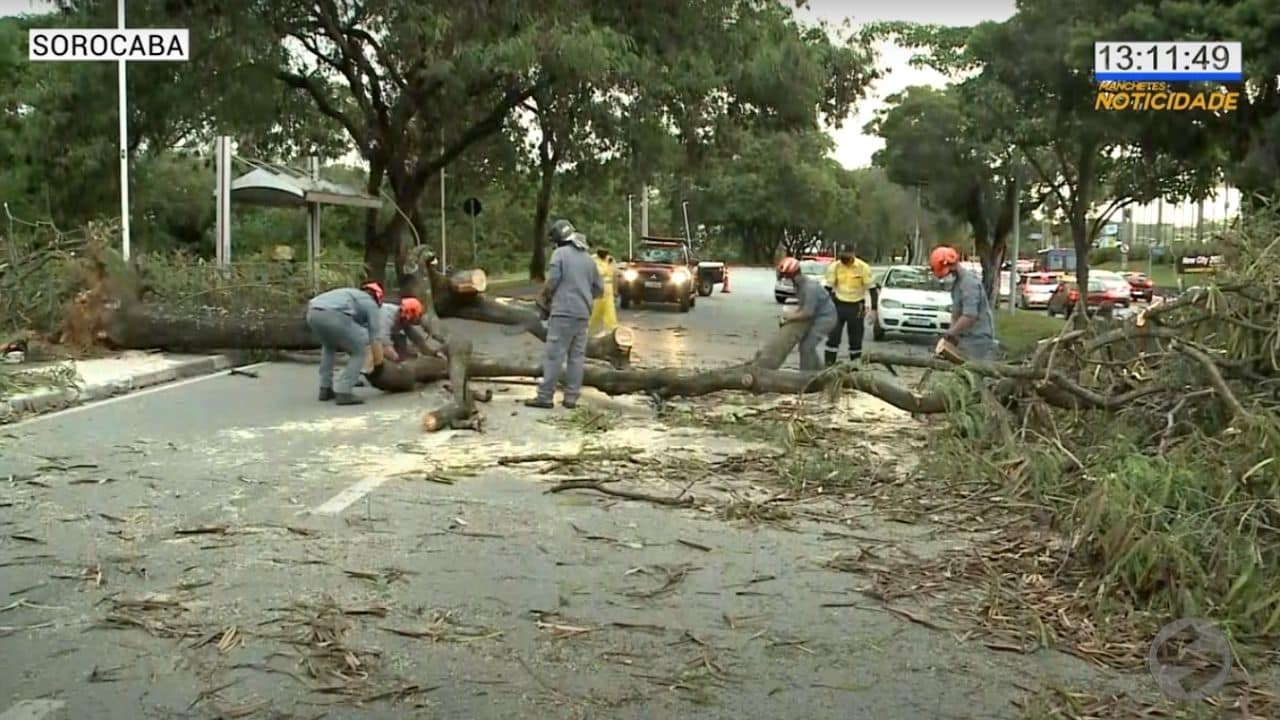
<point x="133" y="394"/>
<point x="32" y="709"/>
<point x="348" y="497"/>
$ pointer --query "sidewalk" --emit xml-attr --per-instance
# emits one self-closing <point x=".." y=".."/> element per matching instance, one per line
<point x="106" y="377"/>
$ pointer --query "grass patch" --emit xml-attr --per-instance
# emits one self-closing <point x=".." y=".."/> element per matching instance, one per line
<point x="1018" y="332"/>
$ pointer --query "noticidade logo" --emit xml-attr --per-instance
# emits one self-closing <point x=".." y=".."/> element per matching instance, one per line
<point x="1114" y="95"/>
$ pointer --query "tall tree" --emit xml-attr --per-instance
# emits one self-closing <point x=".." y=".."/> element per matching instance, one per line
<point x="948" y="144"/>
<point x="1036" y="66"/>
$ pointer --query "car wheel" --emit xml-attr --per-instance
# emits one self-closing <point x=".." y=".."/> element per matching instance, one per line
<point x="685" y="303"/>
<point x="705" y="286"/>
<point x="693" y="301"/>
<point x="877" y="332"/>
<point x="782" y="299"/>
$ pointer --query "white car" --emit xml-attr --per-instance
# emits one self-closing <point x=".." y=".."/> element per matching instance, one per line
<point x="912" y="301"/>
<point x="1035" y="289"/>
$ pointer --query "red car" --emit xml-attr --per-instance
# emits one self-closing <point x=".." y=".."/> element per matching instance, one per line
<point x="1064" y="298"/>
<point x="1140" y="286"/>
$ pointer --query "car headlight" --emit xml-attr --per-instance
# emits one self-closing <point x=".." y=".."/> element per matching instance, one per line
<point x="679" y="275"/>
<point x="891" y="304"/>
<point x="630" y="275"/>
<point x="944" y="308"/>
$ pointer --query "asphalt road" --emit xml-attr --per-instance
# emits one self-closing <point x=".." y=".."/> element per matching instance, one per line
<point x="228" y="545"/>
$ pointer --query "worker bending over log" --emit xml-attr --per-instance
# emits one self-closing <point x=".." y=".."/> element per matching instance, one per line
<point x="346" y="319"/>
<point x="815" y="308"/>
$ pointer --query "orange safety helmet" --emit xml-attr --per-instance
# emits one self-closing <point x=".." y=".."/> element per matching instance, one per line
<point x="788" y="267"/>
<point x="942" y="260"/>
<point x="374" y="289"/>
<point x="410" y="309"/>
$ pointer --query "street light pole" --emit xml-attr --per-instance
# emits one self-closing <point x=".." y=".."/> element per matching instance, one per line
<point x="1017" y="238"/>
<point x="630" y="231"/>
<point x="688" y="237"/>
<point x="124" y="143"/>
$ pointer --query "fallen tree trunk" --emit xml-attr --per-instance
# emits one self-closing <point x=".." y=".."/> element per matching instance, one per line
<point x="673" y="382"/>
<point x="123" y="321"/>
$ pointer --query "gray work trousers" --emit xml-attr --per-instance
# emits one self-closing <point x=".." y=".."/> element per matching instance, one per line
<point x="982" y="349"/>
<point x="819" y="330"/>
<point x="339" y="331"/>
<point x="566" y="340"/>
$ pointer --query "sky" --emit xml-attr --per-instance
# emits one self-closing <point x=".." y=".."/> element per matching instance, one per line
<point x="853" y="147"/>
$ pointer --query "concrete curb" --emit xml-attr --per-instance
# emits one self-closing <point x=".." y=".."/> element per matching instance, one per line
<point x="46" y="401"/>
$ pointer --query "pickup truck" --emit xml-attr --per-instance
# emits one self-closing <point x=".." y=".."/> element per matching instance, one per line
<point x="664" y="271"/>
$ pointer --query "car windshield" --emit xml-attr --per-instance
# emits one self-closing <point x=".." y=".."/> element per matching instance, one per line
<point x="661" y="254"/>
<point x="913" y="279"/>
<point x="813" y="267"/>
<point x="1041" y="280"/>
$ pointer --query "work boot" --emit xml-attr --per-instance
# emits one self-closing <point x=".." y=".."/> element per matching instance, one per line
<point x="347" y="399"/>
<point x="538" y="403"/>
<point x="831" y="358"/>
<point x="855" y="356"/>
<point x="326" y="394"/>
<point x="570" y="404"/>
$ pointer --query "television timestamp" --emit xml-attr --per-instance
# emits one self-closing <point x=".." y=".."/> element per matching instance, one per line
<point x="1168" y="61"/>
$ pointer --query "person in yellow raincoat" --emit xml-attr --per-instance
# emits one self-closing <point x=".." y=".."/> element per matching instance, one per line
<point x="604" y="316"/>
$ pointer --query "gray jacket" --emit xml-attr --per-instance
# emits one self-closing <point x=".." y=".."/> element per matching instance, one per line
<point x="353" y="303"/>
<point x="573" y="281"/>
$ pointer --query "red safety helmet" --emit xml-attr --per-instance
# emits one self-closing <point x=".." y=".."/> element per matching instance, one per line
<point x="410" y="309"/>
<point x="374" y="289"/>
<point x="943" y="260"/>
<point x="788" y="267"/>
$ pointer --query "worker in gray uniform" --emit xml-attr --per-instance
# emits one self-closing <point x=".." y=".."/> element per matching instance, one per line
<point x="346" y="319"/>
<point x="400" y="326"/>
<point x="815" y="308"/>
<point x="573" y="285"/>
<point x="972" y="329"/>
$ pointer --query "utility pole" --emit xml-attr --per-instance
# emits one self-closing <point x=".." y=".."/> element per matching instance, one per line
<point x="1159" y="233"/>
<point x="644" y="213"/>
<point x="1017" y="238"/>
<point x="1132" y="228"/>
<point x="917" y="252"/>
<point x="631" y="224"/>
<point x="688" y="236"/>
<point x="1200" y="221"/>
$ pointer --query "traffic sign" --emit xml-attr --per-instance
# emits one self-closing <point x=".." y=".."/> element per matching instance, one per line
<point x="472" y="206"/>
<point x="1124" y="248"/>
<point x="1035" y="236"/>
<point x="1110" y="229"/>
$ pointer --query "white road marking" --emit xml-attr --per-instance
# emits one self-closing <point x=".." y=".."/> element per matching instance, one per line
<point x="129" y="396"/>
<point x="348" y="497"/>
<point x="32" y="709"/>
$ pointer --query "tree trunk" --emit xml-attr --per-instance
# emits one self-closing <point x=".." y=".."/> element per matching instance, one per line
<point x="542" y="208"/>
<point x="1081" y="241"/>
<point x="668" y="382"/>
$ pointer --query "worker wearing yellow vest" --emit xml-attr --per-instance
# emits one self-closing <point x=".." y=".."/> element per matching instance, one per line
<point x="851" y="286"/>
<point x="604" y="315"/>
